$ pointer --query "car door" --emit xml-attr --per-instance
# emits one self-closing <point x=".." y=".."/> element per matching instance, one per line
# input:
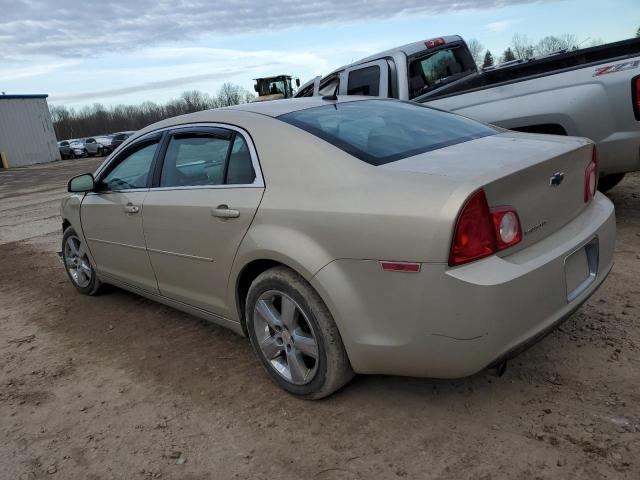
<point x="112" y="216"/>
<point x="370" y="79"/>
<point x="208" y="189"/>
<point x="90" y="145"/>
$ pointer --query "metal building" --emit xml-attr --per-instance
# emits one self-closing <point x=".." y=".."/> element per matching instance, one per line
<point x="26" y="131"/>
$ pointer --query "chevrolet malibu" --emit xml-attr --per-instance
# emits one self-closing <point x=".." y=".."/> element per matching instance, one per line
<point x="348" y="235"/>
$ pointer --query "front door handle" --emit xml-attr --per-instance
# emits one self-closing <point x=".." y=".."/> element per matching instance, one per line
<point x="129" y="208"/>
<point x="223" y="211"/>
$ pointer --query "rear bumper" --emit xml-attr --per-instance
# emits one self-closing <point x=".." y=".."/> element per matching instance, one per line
<point x="453" y="322"/>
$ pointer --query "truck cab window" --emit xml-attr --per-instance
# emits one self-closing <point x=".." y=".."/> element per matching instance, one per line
<point x="437" y="69"/>
<point x="364" y="81"/>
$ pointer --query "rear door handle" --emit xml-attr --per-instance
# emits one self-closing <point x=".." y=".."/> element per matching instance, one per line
<point x="223" y="211"/>
<point x="131" y="208"/>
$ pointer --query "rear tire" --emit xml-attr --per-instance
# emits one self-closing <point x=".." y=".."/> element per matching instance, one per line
<point x="607" y="182"/>
<point x="294" y="335"/>
<point x="78" y="265"/>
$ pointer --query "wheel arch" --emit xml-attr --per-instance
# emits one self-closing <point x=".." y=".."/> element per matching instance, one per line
<point x="250" y="271"/>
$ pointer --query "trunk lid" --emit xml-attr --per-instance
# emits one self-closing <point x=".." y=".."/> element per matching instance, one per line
<point x="516" y="169"/>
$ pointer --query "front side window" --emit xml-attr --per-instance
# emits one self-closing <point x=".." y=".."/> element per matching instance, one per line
<point x="194" y="159"/>
<point x="365" y="81"/>
<point x="383" y="131"/>
<point x="133" y="171"/>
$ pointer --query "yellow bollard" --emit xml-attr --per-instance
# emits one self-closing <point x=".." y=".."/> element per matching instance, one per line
<point x="5" y="160"/>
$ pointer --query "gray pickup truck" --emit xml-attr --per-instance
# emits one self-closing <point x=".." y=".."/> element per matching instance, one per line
<point x="593" y="92"/>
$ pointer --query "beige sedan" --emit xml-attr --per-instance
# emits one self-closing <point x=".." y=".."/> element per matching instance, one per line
<point x="356" y="235"/>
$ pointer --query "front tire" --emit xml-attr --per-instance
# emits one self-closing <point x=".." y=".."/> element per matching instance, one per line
<point x="78" y="265"/>
<point x="607" y="182"/>
<point x="294" y="335"/>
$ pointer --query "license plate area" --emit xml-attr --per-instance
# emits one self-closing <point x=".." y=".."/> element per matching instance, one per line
<point x="581" y="268"/>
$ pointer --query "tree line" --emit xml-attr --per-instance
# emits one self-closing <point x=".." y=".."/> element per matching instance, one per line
<point x="96" y="119"/>
<point x="523" y="48"/>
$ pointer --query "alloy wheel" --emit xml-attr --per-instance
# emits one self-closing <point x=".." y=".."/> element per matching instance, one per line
<point x="77" y="262"/>
<point x="286" y="337"/>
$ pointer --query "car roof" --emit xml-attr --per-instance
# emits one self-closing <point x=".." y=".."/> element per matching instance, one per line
<point x="275" y="108"/>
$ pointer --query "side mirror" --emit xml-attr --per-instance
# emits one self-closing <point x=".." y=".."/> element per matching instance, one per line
<point x="297" y="82"/>
<point x="255" y="87"/>
<point x="81" y="184"/>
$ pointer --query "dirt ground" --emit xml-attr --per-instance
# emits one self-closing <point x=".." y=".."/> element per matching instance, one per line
<point x="117" y="386"/>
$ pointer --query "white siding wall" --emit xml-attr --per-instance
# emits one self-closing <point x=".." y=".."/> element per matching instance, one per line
<point x="26" y="131"/>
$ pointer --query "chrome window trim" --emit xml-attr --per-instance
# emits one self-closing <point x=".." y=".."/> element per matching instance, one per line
<point x="258" y="182"/>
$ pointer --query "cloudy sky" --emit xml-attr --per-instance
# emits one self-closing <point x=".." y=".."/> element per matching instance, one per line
<point x="113" y="51"/>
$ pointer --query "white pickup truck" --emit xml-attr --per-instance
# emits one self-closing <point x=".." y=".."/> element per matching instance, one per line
<point x="593" y="92"/>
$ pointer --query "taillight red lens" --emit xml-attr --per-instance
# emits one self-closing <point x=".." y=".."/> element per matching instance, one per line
<point x="481" y="231"/>
<point x="635" y="96"/>
<point x="591" y="177"/>
<point x="474" y="236"/>
<point x="507" y="226"/>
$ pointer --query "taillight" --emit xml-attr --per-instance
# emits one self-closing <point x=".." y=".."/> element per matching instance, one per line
<point x="591" y="177"/>
<point x="434" y="42"/>
<point x="507" y="226"/>
<point x="481" y="231"/>
<point x="635" y="96"/>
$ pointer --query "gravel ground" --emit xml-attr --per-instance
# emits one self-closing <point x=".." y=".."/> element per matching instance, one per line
<point x="117" y="386"/>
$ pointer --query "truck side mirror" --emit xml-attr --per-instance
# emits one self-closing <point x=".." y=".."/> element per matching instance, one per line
<point x="297" y="82"/>
<point x="255" y="87"/>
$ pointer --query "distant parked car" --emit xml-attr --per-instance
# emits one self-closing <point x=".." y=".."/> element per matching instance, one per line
<point x="107" y="143"/>
<point x="78" y="148"/>
<point x="120" y="137"/>
<point x="94" y="147"/>
<point x="65" y="150"/>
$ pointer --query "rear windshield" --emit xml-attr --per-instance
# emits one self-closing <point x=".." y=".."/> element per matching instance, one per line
<point x="439" y="68"/>
<point x="383" y="131"/>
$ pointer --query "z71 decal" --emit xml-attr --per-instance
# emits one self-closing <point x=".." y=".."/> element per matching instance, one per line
<point x="618" y="67"/>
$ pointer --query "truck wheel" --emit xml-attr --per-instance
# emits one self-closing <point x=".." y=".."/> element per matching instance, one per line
<point x="607" y="182"/>
<point x="294" y="335"/>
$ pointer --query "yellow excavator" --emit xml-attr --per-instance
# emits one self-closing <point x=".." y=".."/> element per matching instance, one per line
<point x="275" y="88"/>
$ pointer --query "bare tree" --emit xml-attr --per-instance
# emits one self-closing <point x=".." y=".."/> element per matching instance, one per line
<point x="230" y="94"/>
<point x="552" y="43"/>
<point x="97" y="119"/>
<point x="522" y="46"/>
<point x="476" y="49"/>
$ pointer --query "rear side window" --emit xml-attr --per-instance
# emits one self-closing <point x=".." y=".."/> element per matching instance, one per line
<point x="383" y="131"/>
<point x="200" y="159"/>
<point x="240" y="170"/>
<point x="365" y="81"/>
<point x="194" y="159"/>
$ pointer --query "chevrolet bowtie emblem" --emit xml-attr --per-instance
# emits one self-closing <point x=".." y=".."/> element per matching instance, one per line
<point x="556" y="179"/>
